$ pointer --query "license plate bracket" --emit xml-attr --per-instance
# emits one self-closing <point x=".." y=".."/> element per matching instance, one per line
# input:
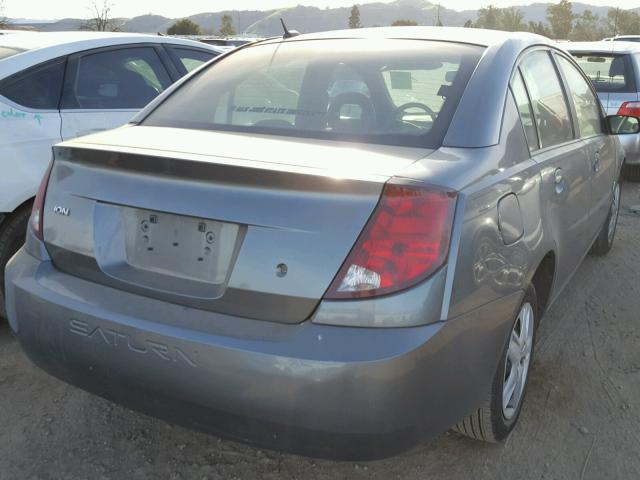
<point x="170" y="244"/>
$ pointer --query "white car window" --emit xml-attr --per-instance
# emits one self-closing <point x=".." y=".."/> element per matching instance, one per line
<point x="126" y="78"/>
<point x="38" y="87"/>
<point x="607" y="72"/>
<point x="191" y="58"/>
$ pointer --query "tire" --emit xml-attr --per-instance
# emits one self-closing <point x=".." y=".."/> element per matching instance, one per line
<point x="12" y="234"/>
<point x="631" y="173"/>
<point x="493" y="421"/>
<point x="607" y="234"/>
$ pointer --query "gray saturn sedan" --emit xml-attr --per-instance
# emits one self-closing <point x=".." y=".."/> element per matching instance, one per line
<point x="336" y="244"/>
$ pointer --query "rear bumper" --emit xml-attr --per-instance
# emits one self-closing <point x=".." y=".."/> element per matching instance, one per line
<point x="317" y="390"/>
<point x="631" y="146"/>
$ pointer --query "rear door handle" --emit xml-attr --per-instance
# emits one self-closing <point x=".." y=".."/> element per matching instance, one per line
<point x="596" y="162"/>
<point x="558" y="179"/>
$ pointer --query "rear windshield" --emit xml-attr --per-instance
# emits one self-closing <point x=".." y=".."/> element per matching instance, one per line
<point x="6" y="52"/>
<point x="397" y="92"/>
<point x="608" y="72"/>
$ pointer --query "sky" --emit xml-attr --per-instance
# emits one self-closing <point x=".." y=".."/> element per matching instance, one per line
<point x="55" y="9"/>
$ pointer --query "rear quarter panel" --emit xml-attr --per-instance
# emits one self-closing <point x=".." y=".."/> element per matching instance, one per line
<point x="483" y="267"/>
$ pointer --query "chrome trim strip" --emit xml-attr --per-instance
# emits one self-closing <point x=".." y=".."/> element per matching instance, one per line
<point x="456" y="235"/>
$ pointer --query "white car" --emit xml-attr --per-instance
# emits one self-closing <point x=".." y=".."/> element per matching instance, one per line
<point x="57" y="86"/>
<point x="626" y="38"/>
<point x="11" y="32"/>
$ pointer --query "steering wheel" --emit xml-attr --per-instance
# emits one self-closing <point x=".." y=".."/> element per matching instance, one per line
<point x="401" y="111"/>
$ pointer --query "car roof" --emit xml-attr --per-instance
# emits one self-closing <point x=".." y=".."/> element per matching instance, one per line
<point x="29" y="41"/>
<point x="40" y="47"/>
<point x="618" y="46"/>
<point x="475" y="36"/>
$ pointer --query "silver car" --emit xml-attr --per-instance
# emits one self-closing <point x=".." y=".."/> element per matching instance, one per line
<point x="335" y="244"/>
<point x="614" y="69"/>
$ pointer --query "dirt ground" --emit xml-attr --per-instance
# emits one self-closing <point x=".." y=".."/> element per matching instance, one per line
<point x="581" y="419"/>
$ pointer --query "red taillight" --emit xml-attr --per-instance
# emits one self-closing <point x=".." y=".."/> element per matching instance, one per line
<point x="405" y="241"/>
<point x="37" y="212"/>
<point x="630" y="109"/>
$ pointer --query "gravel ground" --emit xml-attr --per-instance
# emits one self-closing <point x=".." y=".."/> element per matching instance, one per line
<point x="580" y="420"/>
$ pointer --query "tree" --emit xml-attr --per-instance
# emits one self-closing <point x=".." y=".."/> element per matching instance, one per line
<point x="4" y="21"/>
<point x="586" y="27"/>
<point x="489" y="17"/>
<point x="511" y="20"/>
<point x="560" y="18"/>
<point x="404" y="23"/>
<point x="438" y="22"/>
<point x="622" y="22"/>
<point x="102" y="21"/>
<point x="184" y="27"/>
<point x="468" y="24"/>
<point x="539" y="28"/>
<point x="226" y="27"/>
<point x="629" y="23"/>
<point x="354" y="18"/>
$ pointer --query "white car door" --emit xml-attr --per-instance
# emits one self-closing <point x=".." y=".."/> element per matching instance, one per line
<point x="29" y="127"/>
<point x="104" y="88"/>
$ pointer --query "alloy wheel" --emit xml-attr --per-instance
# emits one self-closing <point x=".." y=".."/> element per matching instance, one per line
<point x="517" y="361"/>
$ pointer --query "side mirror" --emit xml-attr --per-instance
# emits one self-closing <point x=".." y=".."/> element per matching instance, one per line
<point x="623" y="125"/>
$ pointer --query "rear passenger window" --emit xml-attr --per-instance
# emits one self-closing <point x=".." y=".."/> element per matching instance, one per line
<point x="192" y="59"/>
<point x="38" y="87"/>
<point x="587" y="105"/>
<point x="127" y="78"/>
<point x="526" y="114"/>
<point x="547" y="99"/>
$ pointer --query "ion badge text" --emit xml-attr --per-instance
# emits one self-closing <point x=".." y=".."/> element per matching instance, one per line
<point x="61" y="210"/>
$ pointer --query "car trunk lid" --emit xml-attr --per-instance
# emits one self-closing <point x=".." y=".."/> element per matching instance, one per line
<point x="258" y="229"/>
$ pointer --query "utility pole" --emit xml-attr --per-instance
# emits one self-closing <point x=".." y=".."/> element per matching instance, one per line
<point x="437" y="21"/>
